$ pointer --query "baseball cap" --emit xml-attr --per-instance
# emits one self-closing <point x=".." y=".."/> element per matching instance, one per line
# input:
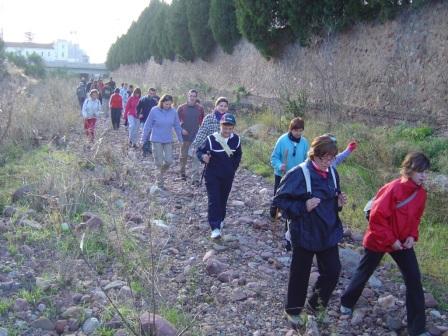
<point x="228" y="118"/>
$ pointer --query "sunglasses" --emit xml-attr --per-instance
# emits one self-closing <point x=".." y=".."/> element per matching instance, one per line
<point x="294" y="151"/>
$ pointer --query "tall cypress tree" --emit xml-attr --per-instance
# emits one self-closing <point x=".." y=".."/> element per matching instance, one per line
<point x="201" y="36"/>
<point x="262" y="22"/>
<point x="178" y="31"/>
<point x="222" y="22"/>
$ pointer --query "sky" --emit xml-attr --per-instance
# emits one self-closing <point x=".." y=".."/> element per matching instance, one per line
<point x="93" y="24"/>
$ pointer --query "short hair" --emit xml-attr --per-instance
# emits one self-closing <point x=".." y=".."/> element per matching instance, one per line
<point x="136" y="91"/>
<point x="117" y="90"/>
<point x="164" y="98"/>
<point x="414" y="162"/>
<point x="193" y="91"/>
<point x="220" y="100"/>
<point x="151" y="89"/>
<point x="296" y="123"/>
<point x="321" y="146"/>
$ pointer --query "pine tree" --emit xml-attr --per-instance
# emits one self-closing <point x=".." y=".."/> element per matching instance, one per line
<point x="222" y="22"/>
<point x="201" y="36"/>
<point x="178" y="31"/>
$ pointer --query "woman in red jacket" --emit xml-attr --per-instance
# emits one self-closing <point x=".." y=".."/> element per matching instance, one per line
<point x="132" y="116"/>
<point x="393" y="228"/>
<point x="115" y="105"/>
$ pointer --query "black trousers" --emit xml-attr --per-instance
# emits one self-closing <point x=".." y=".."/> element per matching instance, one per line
<point x="408" y="265"/>
<point x="115" y="115"/>
<point x="329" y="267"/>
<point x="273" y="209"/>
<point x="218" y="190"/>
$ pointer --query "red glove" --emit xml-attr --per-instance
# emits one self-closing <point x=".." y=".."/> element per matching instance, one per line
<point x="352" y="145"/>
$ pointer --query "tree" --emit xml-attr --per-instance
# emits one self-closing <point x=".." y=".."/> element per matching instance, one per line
<point x="262" y="23"/>
<point x="201" y="36"/>
<point x="35" y="66"/>
<point x="222" y="20"/>
<point x="178" y="31"/>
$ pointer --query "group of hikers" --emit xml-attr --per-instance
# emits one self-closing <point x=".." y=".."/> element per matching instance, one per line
<point x="307" y="193"/>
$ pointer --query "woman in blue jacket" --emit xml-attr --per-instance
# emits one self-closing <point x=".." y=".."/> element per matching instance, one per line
<point x="315" y="227"/>
<point x="221" y="152"/>
<point x="289" y="151"/>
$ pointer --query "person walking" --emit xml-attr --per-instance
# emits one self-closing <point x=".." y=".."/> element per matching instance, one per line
<point x="158" y="128"/>
<point x="209" y="125"/>
<point x="81" y="93"/>
<point x="116" y="107"/>
<point x="221" y="152"/>
<point x="90" y="112"/>
<point x="309" y="196"/>
<point x="131" y="115"/>
<point x="393" y="228"/>
<point x="144" y="106"/>
<point x="290" y="149"/>
<point x="191" y="114"/>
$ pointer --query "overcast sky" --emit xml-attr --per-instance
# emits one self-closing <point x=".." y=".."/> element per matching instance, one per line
<point x="94" y="24"/>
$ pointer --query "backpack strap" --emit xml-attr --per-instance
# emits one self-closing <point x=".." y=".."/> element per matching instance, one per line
<point x="407" y="200"/>
<point x="333" y="175"/>
<point x="306" y="174"/>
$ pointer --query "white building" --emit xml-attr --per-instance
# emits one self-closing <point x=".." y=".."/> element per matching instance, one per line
<point x="61" y="50"/>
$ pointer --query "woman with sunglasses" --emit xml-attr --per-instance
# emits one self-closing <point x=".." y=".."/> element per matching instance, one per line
<point x="159" y="125"/>
<point x="315" y="227"/>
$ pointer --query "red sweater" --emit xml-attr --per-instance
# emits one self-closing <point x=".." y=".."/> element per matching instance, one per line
<point x="131" y="106"/>
<point x="388" y="224"/>
<point x="116" y="102"/>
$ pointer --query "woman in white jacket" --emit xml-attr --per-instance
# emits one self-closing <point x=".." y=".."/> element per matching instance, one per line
<point x="90" y="111"/>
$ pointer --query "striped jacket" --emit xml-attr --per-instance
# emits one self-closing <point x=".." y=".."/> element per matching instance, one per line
<point x="210" y="125"/>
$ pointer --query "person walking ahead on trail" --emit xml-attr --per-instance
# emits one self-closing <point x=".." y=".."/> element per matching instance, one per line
<point x="131" y="115"/>
<point x="160" y="123"/>
<point x="393" y="228"/>
<point x="210" y="124"/>
<point x="81" y="93"/>
<point x="116" y="106"/>
<point x="144" y="106"/>
<point x="90" y="112"/>
<point x="290" y="150"/>
<point x="221" y="152"/>
<point x="191" y="115"/>
<point x="315" y="226"/>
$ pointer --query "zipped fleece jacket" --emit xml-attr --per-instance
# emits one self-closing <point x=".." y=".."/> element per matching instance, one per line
<point x="388" y="224"/>
<point x="91" y="108"/>
<point x="131" y="107"/>
<point x="321" y="228"/>
<point x="283" y="153"/>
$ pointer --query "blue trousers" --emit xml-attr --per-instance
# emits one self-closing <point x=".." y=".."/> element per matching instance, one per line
<point x="218" y="190"/>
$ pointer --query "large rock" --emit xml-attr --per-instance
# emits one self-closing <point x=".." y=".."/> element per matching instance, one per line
<point x="90" y="325"/>
<point x="21" y="305"/>
<point x="149" y="321"/>
<point x="349" y="260"/>
<point x="215" y="267"/>
<point x="23" y="193"/>
<point x="228" y="276"/>
<point x="114" y="284"/>
<point x="430" y="301"/>
<point x="256" y="131"/>
<point x="74" y="312"/>
<point x="42" y="323"/>
<point x="387" y="302"/>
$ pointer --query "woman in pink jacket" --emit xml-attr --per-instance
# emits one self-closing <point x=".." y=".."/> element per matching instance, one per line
<point x="132" y="116"/>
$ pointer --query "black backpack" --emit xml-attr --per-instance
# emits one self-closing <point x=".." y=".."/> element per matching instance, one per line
<point x="81" y="91"/>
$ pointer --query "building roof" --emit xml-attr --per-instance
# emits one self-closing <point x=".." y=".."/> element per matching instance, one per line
<point x="29" y="45"/>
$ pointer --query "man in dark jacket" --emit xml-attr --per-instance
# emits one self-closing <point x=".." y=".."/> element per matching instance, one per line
<point x="144" y="106"/>
<point x="314" y="226"/>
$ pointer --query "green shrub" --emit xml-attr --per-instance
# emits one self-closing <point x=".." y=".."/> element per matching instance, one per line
<point x="222" y="22"/>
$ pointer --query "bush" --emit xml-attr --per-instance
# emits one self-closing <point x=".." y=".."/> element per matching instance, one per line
<point x="295" y="106"/>
<point x="33" y="65"/>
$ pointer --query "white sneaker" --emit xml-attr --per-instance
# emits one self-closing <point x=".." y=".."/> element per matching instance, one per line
<point x="216" y="233"/>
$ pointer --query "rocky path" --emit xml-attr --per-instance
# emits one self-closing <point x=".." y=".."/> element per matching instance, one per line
<point x="234" y="286"/>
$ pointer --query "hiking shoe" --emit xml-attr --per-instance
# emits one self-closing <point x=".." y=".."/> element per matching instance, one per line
<point x="273" y="212"/>
<point x="426" y="333"/>
<point x="216" y="233"/>
<point x="296" y="320"/>
<point x="183" y="176"/>
<point x="221" y="225"/>
<point x="346" y="311"/>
